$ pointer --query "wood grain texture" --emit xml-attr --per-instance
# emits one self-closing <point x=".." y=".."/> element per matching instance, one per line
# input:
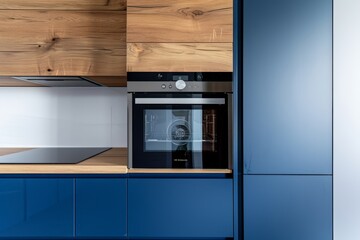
<point x="179" y="57"/>
<point x="68" y="43"/>
<point x="180" y="21"/>
<point x="11" y="82"/>
<point x="176" y="171"/>
<point x="116" y="81"/>
<point x="64" y="4"/>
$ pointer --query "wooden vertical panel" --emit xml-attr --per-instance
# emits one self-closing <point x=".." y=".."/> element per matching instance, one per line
<point x="115" y="81"/>
<point x="179" y="57"/>
<point x="180" y="21"/>
<point x="87" y="43"/>
<point x="64" y="4"/>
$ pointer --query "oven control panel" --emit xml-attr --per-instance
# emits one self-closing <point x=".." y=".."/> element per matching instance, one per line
<point x="179" y="86"/>
<point x="175" y="76"/>
<point x="180" y="77"/>
<point x="179" y="82"/>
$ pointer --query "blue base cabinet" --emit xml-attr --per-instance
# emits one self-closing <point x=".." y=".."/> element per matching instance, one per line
<point x="180" y="208"/>
<point x="36" y="208"/>
<point x="116" y="208"/>
<point x="101" y="207"/>
<point x="288" y="207"/>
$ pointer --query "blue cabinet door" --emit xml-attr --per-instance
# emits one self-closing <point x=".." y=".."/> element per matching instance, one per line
<point x="288" y="207"/>
<point x="101" y="207"/>
<point x="36" y="208"/>
<point x="176" y="208"/>
<point x="12" y="205"/>
<point x="287" y="86"/>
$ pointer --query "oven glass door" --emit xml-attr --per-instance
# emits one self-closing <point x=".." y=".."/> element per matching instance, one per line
<point x="180" y="131"/>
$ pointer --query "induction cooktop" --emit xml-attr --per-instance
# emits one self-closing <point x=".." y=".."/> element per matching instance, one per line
<point x="51" y="156"/>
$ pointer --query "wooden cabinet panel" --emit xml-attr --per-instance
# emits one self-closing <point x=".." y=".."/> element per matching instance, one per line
<point x="87" y="43"/>
<point x="64" y="4"/>
<point x="11" y="82"/>
<point x="180" y="57"/>
<point x="116" y="81"/>
<point x="179" y="21"/>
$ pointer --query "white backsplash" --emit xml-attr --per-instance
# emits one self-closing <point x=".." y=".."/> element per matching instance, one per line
<point x="63" y="117"/>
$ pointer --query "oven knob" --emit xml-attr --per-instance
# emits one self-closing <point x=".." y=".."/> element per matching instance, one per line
<point x="180" y="84"/>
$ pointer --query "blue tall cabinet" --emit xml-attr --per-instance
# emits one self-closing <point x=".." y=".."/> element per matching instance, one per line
<point x="286" y="101"/>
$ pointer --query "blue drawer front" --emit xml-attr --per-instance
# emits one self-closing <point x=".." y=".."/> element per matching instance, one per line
<point x="288" y="207"/>
<point x="166" y="208"/>
<point x="36" y="208"/>
<point x="101" y="207"/>
<point x="288" y="86"/>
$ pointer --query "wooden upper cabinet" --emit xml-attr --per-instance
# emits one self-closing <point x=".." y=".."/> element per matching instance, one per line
<point x="64" y="4"/>
<point x="179" y="57"/>
<point x="62" y="37"/>
<point x="180" y="21"/>
<point x="179" y="35"/>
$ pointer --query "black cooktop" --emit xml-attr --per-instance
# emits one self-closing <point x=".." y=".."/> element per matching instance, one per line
<point x="51" y="155"/>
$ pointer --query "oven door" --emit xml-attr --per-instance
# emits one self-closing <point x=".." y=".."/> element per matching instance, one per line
<point x="179" y="131"/>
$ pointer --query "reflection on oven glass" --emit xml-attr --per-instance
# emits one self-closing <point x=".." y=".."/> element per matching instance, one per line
<point x="180" y="130"/>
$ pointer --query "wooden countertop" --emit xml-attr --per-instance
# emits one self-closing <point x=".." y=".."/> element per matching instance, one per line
<point x="174" y="171"/>
<point x="113" y="161"/>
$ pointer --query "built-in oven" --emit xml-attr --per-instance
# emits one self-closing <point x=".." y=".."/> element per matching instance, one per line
<point x="186" y="124"/>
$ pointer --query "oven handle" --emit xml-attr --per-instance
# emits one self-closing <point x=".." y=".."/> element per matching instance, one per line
<point x="200" y="101"/>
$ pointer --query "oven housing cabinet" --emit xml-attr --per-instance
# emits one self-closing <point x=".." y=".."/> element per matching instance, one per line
<point x="186" y="125"/>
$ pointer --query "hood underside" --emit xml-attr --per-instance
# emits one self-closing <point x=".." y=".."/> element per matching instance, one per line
<point x="60" y="81"/>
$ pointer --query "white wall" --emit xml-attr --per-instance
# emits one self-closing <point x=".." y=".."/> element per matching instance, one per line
<point x="347" y="119"/>
<point x="63" y="117"/>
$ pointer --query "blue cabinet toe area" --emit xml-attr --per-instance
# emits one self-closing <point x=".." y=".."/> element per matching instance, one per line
<point x="180" y="208"/>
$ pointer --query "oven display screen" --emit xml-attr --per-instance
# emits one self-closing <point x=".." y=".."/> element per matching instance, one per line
<point x="180" y="77"/>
